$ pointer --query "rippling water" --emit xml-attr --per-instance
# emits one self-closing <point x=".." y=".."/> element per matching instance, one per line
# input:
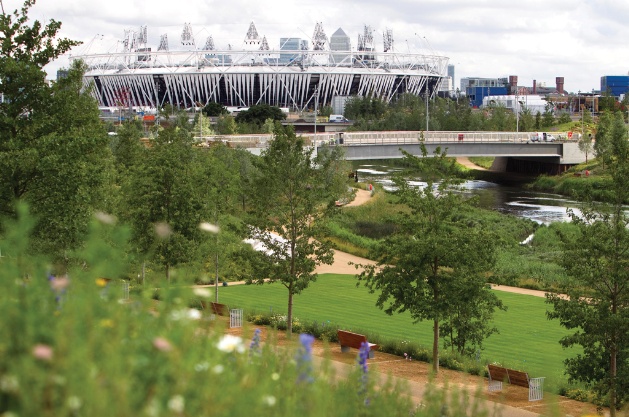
<point x="537" y="206"/>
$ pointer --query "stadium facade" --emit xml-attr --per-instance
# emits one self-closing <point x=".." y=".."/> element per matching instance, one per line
<point x="141" y="76"/>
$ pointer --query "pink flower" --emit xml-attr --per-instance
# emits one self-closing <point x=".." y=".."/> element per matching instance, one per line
<point x="162" y="344"/>
<point x="59" y="283"/>
<point x="42" y="352"/>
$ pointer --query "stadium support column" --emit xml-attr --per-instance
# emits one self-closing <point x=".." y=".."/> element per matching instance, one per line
<point x="316" y="97"/>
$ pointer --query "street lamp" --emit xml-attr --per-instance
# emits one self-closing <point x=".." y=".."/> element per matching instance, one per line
<point x="427" y="128"/>
<point x="316" y="97"/>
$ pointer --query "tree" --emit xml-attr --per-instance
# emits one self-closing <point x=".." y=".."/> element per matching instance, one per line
<point x="289" y="194"/>
<point x="213" y="109"/>
<point x="53" y="149"/>
<point x="259" y="113"/>
<point x="225" y="125"/>
<point x="609" y="125"/>
<point x="597" y="302"/>
<point x="433" y="257"/>
<point x="165" y="204"/>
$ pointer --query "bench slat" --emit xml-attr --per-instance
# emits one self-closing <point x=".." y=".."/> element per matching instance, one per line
<point x="354" y="340"/>
<point x="519" y="378"/>
<point x="498" y="373"/>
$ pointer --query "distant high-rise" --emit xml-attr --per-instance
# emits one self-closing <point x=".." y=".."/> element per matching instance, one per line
<point x="451" y="72"/>
<point x="339" y="41"/>
<point x="289" y="44"/>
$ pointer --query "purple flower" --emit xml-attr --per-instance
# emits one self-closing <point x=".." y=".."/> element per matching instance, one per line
<point x="304" y="358"/>
<point x="254" y="347"/>
<point x="363" y="355"/>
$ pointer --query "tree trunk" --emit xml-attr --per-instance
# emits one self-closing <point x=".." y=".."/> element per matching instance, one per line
<point x="289" y="316"/>
<point x="612" y="390"/>
<point x="435" y="347"/>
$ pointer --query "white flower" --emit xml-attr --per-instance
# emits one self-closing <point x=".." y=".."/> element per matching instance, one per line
<point x="74" y="402"/>
<point x="208" y="227"/>
<point x="105" y="218"/>
<point x="163" y="230"/>
<point x="275" y="376"/>
<point x="194" y="314"/>
<point x="202" y="292"/>
<point x="200" y="367"/>
<point x="218" y="369"/>
<point x="176" y="404"/>
<point x="230" y="343"/>
<point x="269" y="400"/>
<point x="9" y="383"/>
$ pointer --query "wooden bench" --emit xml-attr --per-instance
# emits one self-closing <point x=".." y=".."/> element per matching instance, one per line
<point x="217" y="308"/>
<point x="354" y="340"/>
<point x="498" y="375"/>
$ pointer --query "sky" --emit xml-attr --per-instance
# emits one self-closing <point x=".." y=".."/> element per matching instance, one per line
<point x="580" y="40"/>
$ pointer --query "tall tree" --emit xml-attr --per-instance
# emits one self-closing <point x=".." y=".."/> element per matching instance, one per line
<point x="53" y="149"/>
<point x="597" y="306"/>
<point x="291" y="193"/>
<point x="433" y="255"/>
<point x="164" y="192"/>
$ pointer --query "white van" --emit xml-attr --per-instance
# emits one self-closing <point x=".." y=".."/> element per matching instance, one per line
<point x="337" y="118"/>
<point x="542" y="137"/>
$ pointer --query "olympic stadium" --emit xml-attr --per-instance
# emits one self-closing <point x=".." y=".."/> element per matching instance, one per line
<point x="295" y="76"/>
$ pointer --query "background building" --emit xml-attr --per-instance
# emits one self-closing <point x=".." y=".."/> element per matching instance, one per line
<point x="339" y="41"/>
<point x="256" y="74"/>
<point x="615" y="84"/>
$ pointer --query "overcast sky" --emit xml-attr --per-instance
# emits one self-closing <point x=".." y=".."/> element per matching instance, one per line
<point x="580" y="40"/>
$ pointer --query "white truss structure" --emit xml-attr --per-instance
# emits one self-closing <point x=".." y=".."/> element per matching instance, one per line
<point x="163" y="43"/>
<point x="319" y="40"/>
<point x="209" y="44"/>
<point x="252" y="37"/>
<point x="187" y="38"/>
<point x="387" y="40"/>
<point x="248" y="77"/>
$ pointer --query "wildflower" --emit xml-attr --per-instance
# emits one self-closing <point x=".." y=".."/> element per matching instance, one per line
<point x="230" y="343"/>
<point x="74" y="403"/>
<point x="107" y="323"/>
<point x="163" y="230"/>
<point x="176" y="404"/>
<point x="194" y="314"/>
<point x="203" y="293"/>
<point x="218" y="369"/>
<point x="59" y="284"/>
<point x="254" y="347"/>
<point x="363" y="355"/>
<point x="269" y="400"/>
<point x="162" y="344"/>
<point x="105" y="218"/>
<point x="9" y="383"/>
<point x="208" y="227"/>
<point x="42" y="352"/>
<point x="304" y="358"/>
<point x="202" y="366"/>
<point x="102" y="282"/>
<point x="275" y="376"/>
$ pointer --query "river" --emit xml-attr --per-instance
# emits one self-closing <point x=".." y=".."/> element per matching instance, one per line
<point x="538" y="206"/>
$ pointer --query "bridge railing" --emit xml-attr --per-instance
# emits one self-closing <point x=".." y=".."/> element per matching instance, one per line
<point x="388" y="138"/>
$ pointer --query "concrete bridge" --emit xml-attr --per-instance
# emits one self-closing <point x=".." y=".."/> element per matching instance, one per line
<point x="563" y="150"/>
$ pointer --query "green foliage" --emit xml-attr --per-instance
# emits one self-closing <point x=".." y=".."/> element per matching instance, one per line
<point x="70" y="347"/>
<point x="225" y="125"/>
<point x="289" y="188"/>
<point x="53" y="149"/>
<point x="259" y="113"/>
<point x="213" y="109"/>
<point x="597" y="308"/>
<point x="483" y="161"/>
<point x="432" y="255"/>
<point x="164" y="194"/>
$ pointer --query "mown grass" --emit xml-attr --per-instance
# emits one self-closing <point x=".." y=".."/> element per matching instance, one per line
<point x="527" y="340"/>
<point x="482" y="161"/>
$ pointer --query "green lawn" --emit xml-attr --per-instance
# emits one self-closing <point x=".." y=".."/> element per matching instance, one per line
<point x="527" y="340"/>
